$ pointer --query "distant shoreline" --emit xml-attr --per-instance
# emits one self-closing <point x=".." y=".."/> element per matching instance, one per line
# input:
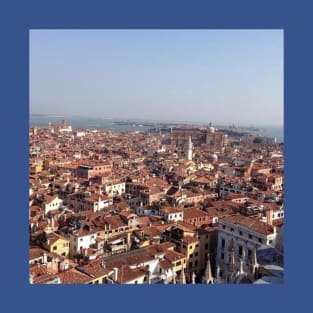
<point x="156" y="122"/>
<point x="144" y="125"/>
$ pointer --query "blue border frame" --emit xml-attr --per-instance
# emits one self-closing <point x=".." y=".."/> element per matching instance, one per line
<point x="18" y="18"/>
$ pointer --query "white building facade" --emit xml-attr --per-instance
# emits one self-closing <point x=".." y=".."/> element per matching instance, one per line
<point x="114" y="188"/>
<point x="245" y="235"/>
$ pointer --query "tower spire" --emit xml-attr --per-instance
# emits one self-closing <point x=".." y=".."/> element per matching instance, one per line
<point x="188" y="149"/>
<point x="207" y="277"/>
<point x="193" y="277"/>
<point x="231" y="261"/>
<point x="254" y="262"/>
<point x="182" y="279"/>
<point x="241" y="270"/>
<point x="174" y="276"/>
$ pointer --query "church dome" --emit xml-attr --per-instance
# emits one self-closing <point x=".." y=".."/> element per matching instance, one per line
<point x="212" y="129"/>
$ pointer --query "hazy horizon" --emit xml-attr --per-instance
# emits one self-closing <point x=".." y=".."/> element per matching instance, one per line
<point x="224" y="76"/>
<point x="138" y="119"/>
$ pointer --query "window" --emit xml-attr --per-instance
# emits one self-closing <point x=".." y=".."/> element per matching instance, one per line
<point x="250" y="236"/>
<point x="223" y="243"/>
<point x="136" y="281"/>
<point x="178" y="263"/>
<point x="96" y="282"/>
<point x="240" y="233"/>
<point x="232" y="230"/>
<point x="207" y="246"/>
<point x="196" y="254"/>
<point x="260" y="240"/>
<point x="249" y="253"/>
<point x="190" y="264"/>
<point x="196" y="263"/>
<point x="190" y="255"/>
<point x="191" y="247"/>
<point x="55" y="248"/>
<point x="240" y="251"/>
<point x="222" y="256"/>
<point x="270" y="241"/>
<point x="223" y="226"/>
<point x="197" y="245"/>
<point x="81" y="239"/>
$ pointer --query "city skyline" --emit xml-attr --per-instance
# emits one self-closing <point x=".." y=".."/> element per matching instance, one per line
<point x="167" y="205"/>
<point x="224" y="76"/>
<point x="59" y="117"/>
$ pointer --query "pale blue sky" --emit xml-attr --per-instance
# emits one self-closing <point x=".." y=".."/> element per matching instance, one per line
<point x="227" y="76"/>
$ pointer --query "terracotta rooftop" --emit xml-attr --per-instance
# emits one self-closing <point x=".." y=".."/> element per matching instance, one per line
<point x="172" y="210"/>
<point x="73" y="276"/>
<point x="126" y="274"/>
<point x="36" y="252"/>
<point x="193" y="213"/>
<point x="253" y="224"/>
<point x="95" y="268"/>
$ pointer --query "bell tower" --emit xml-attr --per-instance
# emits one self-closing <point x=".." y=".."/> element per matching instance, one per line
<point x="188" y="149"/>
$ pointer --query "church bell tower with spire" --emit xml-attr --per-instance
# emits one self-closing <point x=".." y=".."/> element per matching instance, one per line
<point x="188" y="149"/>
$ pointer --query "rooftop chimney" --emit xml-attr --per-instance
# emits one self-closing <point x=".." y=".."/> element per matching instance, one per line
<point x="86" y="252"/>
<point x="115" y="275"/>
<point x="31" y="278"/>
<point x="269" y="216"/>
<point x="44" y="259"/>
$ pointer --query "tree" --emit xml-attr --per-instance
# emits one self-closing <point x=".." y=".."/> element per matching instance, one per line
<point x="257" y="140"/>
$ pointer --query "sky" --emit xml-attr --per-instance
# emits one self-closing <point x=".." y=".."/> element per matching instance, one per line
<point x="223" y="76"/>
